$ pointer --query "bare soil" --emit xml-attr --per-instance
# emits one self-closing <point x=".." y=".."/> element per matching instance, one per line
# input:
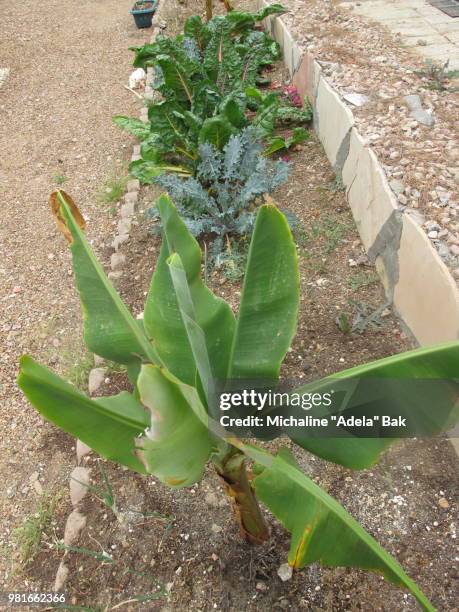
<point x="186" y="542"/>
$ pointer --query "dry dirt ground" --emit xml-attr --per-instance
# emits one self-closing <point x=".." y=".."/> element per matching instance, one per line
<point x="68" y="63"/>
<point x="151" y="540"/>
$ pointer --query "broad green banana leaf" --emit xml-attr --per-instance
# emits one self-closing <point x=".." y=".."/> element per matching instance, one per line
<point x="269" y="303"/>
<point x="109" y="328"/>
<point x="162" y="318"/>
<point x="322" y="531"/>
<point x="195" y="334"/>
<point x="108" y="425"/>
<point x="177" y="446"/>
<point x="439" y="363"/>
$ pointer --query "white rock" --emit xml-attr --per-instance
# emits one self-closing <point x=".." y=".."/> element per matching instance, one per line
<point x="118" y="240"/>
<point x="285" y="572"/>
<point x="124" y="225"/>
<point x="95" y="379"/>
<point x="137" y="78"/>
<point x="61" y="576"/>
<point x="356" y="99"/>
<point x="131" y="196"/>
<point x="127" y="210"/>
<point x="413" y="102"/>
<point x="423" y="117"/>
<point x="82" y="449"/>
<point x="79" y="481"/>
<point x="98" y="361"/>
<point x="134" y="184"/>
<point x="75" y="523"/>
<point x="117" y="260"/>
<point x="37" y="487"/>
<point x="397" y="186"/>
<point x="4" y="72"/>
<point x="402" y="199"/>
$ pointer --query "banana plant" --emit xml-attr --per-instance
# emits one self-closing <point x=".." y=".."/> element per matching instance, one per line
<point x="188" y="338"/>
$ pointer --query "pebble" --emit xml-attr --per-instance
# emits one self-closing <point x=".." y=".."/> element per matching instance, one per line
<point x="285" y="572"/>
<point x="117" y="260"/>
<point x="75" y="523"/>
<point x="423" y="117"/>
<point x="261" y="586"/>
<point x="356" y="99"/>
<point x="95" y="379"/>
<point x="61" y="576"/>
<point x="79" y="482"/>
<point x="397" y="186"/>
<point x="402" y="199"/>
<point x="413" y="102"/>
<point x="443" y="503"/>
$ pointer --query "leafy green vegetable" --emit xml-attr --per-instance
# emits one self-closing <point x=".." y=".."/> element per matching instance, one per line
<point x="133" y="126"/>
<point x="278" y="143"/>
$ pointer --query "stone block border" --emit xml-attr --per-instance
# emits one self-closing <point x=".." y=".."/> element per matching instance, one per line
<point x="417" y="282"/>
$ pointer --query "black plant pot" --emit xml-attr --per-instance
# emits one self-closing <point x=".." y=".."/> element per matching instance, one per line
<point x="143" y="16"/>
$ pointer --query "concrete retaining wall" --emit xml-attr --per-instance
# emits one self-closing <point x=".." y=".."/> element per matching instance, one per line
<point x="415" y="279"/>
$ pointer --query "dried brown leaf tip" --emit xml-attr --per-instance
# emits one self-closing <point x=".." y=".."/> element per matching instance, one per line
<point x="55" y="202"/>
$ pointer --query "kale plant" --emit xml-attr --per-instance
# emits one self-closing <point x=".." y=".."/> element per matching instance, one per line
<point x="220" y="199"/>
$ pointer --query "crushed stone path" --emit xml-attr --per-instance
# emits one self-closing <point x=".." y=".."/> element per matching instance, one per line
<point x="67" y="65"/>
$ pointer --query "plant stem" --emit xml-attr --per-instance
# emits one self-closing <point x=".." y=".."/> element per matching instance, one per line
<point x="233" y="472"/>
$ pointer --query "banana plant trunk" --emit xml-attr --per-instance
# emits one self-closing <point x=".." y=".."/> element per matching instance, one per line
<point x="208" y="10"/>
<point x="233" y="472"/>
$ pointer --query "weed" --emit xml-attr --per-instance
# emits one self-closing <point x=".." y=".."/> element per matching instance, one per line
<point x="438" y="75"/>
<point x="103" y="557"/>
<point x="78" y="372"/>
<point x="331" y="230"/>
<point x="366" y="317"/>
<point x="362" y="279"/>
<point x="232" y="262"/>
<point x="114" y="368"/>
<point x="29" y="535"/>
<point x="59" y="179"/>
<point x="343" y="323"/>
<point x="113" y="189"/>
<point x="337" y="185"/>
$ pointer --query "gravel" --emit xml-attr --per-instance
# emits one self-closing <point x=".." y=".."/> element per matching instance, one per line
<point x="67" y="71"/>
<point x="412" y="128"/>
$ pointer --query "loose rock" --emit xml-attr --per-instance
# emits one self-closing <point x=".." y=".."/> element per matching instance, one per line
<point x="285" y="572"/>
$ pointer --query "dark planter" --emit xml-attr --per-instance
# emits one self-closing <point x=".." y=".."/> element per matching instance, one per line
<point x="144" y="16"/>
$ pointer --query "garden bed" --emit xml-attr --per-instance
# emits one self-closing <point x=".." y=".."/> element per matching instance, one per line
<point x="185" y="542"/>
